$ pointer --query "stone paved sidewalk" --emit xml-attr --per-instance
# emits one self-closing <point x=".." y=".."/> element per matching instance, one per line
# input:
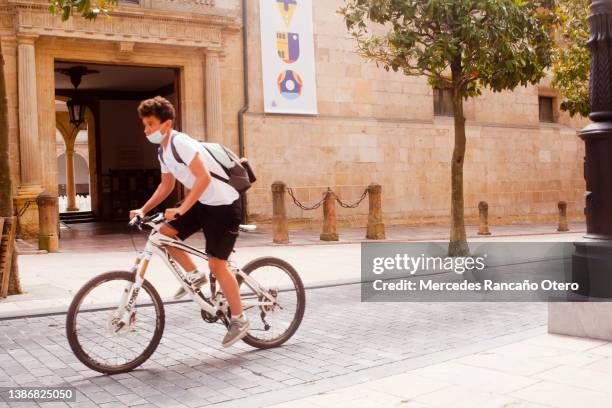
<point x="341" y="341"/>
<point x="51" y="280"/>
<point x="543" y="371"/>
<point x="117" y="236"/>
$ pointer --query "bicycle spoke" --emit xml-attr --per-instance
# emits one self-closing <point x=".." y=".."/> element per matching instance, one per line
<point x="97" y="333"/>
<point x="270" y="281"/>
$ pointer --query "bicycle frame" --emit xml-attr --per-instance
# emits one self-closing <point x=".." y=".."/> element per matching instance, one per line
<point x="156" y="244"/>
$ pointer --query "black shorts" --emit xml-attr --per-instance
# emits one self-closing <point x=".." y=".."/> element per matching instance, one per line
<point x="220" y="224"/>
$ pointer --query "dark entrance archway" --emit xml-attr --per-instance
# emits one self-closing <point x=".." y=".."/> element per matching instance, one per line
<point x="123" y="165"/>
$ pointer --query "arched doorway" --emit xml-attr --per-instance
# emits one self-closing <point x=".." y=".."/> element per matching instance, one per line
<point x="73" y="158"/>
<point x="81" y="181"/>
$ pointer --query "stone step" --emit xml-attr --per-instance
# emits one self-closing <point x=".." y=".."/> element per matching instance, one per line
<point x="77" y="217"/>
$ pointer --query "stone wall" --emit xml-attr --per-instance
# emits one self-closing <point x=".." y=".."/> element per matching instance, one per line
<point x="379" y="126"/>
<point x="372" y="125"/>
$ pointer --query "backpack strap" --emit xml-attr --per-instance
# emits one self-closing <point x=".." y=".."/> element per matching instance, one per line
<point x="177" y="157"/>
<point x="214" y="175"/>
<point x="160" y="153"/>
<point x="175" y="152"/>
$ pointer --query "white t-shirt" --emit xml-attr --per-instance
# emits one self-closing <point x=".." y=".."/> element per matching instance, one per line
<point x="217" y="192"/>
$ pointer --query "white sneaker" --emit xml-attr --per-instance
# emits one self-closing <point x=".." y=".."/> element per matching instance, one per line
<point x="195" y="279"/>
<point x="237" y="330"/>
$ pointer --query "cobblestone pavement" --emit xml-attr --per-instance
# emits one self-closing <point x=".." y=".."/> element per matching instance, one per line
<point x="339" y="336"/>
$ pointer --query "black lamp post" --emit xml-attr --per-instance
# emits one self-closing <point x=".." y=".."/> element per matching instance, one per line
<point x="76" y="111"/>
<point x="76" y="105"/>
<point x="592" y="260"/>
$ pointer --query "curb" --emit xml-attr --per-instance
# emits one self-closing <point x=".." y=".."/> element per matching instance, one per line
<point x="58" y="311"/>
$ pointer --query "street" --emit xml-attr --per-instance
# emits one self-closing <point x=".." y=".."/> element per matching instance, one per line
<point x="340" y="340"/>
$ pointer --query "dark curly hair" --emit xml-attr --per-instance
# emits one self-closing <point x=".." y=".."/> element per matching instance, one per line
<point x="159" y="107"/>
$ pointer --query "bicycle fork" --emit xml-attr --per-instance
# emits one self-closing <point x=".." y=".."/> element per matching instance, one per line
<point x="130" y="293"/>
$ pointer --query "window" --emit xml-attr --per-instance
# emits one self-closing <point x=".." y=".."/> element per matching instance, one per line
<point x="443" y="102"/>
<point x="546" y="109"/>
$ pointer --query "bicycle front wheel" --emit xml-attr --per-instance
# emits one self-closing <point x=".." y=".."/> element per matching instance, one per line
<point x="92" y="330"/>
<point x="272" y="324"/>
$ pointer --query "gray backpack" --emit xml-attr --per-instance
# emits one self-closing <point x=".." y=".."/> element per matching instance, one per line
<point x="239" y="173"/>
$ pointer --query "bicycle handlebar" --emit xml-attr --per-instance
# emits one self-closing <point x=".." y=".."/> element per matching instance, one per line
<point x="155" y="218"/>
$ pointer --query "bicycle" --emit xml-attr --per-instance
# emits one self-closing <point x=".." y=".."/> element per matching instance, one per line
<point x="118" y="337"/>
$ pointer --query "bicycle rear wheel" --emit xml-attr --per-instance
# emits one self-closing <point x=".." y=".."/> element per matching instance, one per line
<point x="91" y="324"/>
<point x="272" y="325"/>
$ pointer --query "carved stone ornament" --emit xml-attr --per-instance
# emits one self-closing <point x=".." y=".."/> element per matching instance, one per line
<point x="156" y="28"/>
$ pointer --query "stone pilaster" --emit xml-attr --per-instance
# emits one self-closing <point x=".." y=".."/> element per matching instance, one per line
<point x="29" y="149"/>
<point x="214" y="110"/>
<point x="70" y="184"/>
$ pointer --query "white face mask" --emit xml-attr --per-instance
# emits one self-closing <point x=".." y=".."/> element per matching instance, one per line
<point x="156" y="137"/>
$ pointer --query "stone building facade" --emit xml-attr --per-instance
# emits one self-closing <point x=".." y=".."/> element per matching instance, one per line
<point x="372" y="126"/>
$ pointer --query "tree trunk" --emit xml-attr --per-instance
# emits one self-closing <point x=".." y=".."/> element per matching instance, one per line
<point x="6" y="187"/>
<point x="458" y="238"/>
<point x="14" y="280"/>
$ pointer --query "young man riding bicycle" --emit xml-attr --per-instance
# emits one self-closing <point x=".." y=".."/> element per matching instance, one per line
<point x="211" y="205"/>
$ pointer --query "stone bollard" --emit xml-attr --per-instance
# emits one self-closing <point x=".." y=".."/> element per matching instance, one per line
<point x="562" y="216"/>
<point x="48" y="214"/>
<point x="483" y="210"/>
<point x="376" y="228"/>
<point x="280" y="230"/>
<point x="329" y="217"/>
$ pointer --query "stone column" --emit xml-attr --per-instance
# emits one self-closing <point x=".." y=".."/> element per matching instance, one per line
<point x="214" y="109"/>
<point x="29" y="149"/>
<point x="70" y="185"/>
<point x="48" y="209"/>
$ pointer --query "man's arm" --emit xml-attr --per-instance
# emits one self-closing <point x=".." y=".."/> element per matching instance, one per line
<point x="163" y="190"/>
<point x="202" y="179"/>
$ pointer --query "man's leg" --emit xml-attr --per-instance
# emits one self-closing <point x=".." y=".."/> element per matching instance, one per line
<point x="228" y="283"/>
<point x="179" y="255"/>
<point x="239" y="324"/>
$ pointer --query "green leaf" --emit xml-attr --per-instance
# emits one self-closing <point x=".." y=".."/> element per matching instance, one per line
<point x="500" y="43"/>
<point x="572" y="60"/>
<point x="85" y="8"/>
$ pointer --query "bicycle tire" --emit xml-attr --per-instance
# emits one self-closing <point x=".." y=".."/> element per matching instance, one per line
<point x="71" y="333"/>
<point x="301" y="304"/>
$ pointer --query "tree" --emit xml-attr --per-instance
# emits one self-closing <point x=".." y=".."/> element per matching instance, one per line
<point x="89" y="9"/>
<point x="572" y="60"/>
<point x="462" y="45"/>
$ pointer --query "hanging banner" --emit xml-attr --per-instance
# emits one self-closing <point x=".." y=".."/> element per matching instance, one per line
<point x="287" y="56"/>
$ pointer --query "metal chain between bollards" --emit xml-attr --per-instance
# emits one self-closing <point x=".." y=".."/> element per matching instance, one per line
<point x="317" y="205"/>
<point x="302" y="206"/>
<point x="355" y="204"/>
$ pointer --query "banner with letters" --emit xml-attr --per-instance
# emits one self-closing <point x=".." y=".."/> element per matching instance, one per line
<point x="287" y="55"/>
